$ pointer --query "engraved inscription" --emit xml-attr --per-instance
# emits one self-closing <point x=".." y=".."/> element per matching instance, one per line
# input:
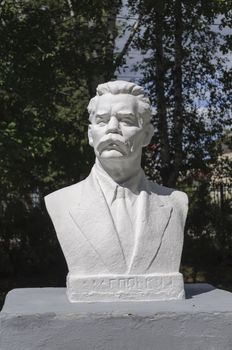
<point x="118" y="287"/>
<point x="124" y="283"/>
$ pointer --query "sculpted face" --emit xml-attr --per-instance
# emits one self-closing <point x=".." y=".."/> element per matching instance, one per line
<point x="116" y="131"/>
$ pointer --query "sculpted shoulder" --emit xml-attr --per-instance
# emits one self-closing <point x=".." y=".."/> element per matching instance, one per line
<point x="178" y="198"/>
<point x="63" y="197"/>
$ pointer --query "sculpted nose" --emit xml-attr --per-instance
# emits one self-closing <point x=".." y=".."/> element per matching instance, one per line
<point x="113" y="125"/>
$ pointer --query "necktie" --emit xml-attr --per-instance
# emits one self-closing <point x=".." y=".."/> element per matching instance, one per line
<point x="122" y="214"/>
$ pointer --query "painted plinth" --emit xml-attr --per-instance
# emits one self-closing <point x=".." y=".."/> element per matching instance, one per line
<point x="125" y="287"/>
<point x="35" y="319"/>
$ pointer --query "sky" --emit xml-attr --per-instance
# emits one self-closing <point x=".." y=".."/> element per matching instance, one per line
<point x="134" y="56"/>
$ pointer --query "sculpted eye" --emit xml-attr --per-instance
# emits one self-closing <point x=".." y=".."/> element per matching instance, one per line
<point x="101" y="121"/>
<point x="127" y="121"/>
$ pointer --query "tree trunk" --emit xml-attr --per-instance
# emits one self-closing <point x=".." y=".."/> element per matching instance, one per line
<point x="178" y="97"/>
<point x="106" y="49"/>
<point x="160" y="91"/>
<point x="102" y="60"/>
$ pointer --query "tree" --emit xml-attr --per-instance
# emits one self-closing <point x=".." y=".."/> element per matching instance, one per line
<point x="187" y="78"/>
<point x="52" y="55"/>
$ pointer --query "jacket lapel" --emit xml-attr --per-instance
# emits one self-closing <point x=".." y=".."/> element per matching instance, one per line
<point x="151" y="221"/>
<point x="92" y="216"/>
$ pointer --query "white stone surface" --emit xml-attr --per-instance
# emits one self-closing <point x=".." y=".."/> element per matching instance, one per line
<point x="116" y="223"/>
<point x="126" y="287"/>
<point x="42" y="318"/>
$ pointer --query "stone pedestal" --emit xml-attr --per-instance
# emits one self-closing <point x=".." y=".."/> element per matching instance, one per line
<point x="43" y="318"/>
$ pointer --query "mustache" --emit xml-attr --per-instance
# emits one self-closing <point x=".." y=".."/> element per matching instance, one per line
<point x="113" y="141"/>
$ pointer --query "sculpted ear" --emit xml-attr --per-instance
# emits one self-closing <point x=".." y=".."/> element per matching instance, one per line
<point x="90" y="135"/>
<point x="148" y="133"/>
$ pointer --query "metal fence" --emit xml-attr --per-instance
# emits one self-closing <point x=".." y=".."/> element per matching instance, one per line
<point x="219" y="193"/>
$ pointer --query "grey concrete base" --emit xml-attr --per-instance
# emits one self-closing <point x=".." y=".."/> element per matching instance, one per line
<point x="35" y="319"/>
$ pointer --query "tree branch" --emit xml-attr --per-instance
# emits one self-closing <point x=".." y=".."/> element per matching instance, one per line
<point x="119" y="59"/>
<point x="72" y="14"/>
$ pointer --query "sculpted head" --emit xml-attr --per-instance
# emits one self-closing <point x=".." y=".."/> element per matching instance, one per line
<point x="120" y="116"/>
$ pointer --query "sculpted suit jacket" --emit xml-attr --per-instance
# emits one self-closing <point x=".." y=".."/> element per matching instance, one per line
<point x="88" y="236"/>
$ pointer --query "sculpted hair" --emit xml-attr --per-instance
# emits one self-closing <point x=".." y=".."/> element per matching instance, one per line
<point x="123" y="87"/>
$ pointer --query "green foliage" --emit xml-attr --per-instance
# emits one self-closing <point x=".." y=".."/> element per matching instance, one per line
<point x="53" y="53"/>
<point x="50" y="55"/>
<point x="189" y="43"/>
<point x="208" y="240"/>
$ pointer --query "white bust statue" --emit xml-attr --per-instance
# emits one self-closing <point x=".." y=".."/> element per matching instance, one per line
<point x="121" y="234"/>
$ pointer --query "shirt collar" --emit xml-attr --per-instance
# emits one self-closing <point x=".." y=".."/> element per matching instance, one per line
<point x="109" y="186"/>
